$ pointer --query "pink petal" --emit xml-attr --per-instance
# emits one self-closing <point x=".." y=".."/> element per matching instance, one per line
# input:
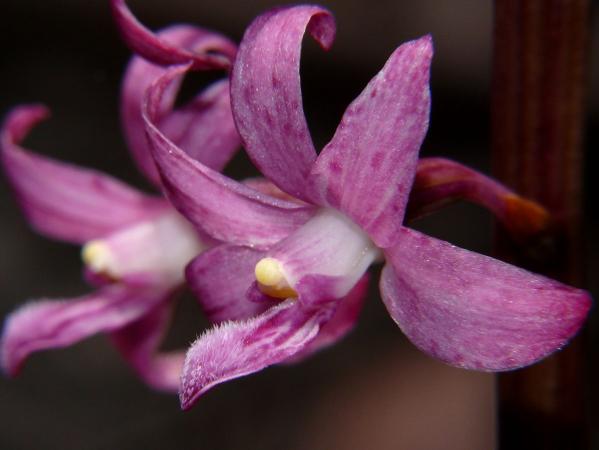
<point x="440" y="181"/>
<point x="367" y="169"/>
<point x="210" y="50"/>
<point x="235" y="349"/>
<point x="342" y="322"/>
<point x="139" y="342"/>
<point x="266" y="93"/>
<point x="220" y="279"/>
<point x="64" y="201"/>
<point x="48" y="324"/>
<point x="473" y="311"/>
<point x="203" y="128"/>
<point x="226" y="210"/>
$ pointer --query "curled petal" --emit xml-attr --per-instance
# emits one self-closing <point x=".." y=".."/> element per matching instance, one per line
<point x="473" y="311"/>
<point x="235" y="349"/>
<point x="48" y="324"/>
<point x="203" y="128"/>
<point x="139" y="342"/>
<point x="266" y="93"/>
<point x="220" y="279"/>
<point x="367" y="169"/>
<point x="226" y="210"/>
<point x="210" y="50"/>
<point x="440" y="181"/>
<point x="64" y="201"/>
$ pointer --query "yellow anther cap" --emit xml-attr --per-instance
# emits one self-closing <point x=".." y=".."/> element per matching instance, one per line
<point x="96" y="255"/>
<point x="271" y="279"/>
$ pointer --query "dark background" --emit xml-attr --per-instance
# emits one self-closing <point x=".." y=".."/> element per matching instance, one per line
<point x="373" y="390"/>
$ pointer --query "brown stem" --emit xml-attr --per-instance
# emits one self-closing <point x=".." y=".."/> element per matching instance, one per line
<point x="539" y="75"/>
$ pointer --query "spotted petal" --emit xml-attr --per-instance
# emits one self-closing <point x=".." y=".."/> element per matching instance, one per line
<point x="210" y="50"/>
<point x="226" y="210"/>
<point x="64" y="201"/>
<point x="266" y="93"/>
<point x="367" y="169"/>
<point x="235" y="349"/>
<point x="47" y="324"/>
<point x="473" y="311"/>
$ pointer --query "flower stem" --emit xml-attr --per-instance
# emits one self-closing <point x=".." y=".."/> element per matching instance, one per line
<point x="539" y="78"/>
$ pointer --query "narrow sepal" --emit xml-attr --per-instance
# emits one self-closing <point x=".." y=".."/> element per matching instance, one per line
<point x="440" y="182"/>
<point x="63" y="201"/>
<point x="367" y="169"/>
<point x="49" y="324"/>
<point x="210" y="50"/>
<point x="266" y="93"/>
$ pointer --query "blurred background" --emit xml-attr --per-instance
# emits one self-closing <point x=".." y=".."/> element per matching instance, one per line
<point x="373" y="390"/>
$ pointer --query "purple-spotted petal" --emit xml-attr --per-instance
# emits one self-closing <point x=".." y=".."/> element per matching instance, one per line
<point x="235" y="349"/>
<point x="139" y="341"/>
<point x="203" y="128"/>
<point x="342" y="322"/>
<point x="226" y="210"/>
<point x="210" y="50"/>
<point x="440" y="181"/>
<point x="266" y="93"/>
<point x="220" y="279"/>
<point x="367" y="169"/>
<point x="64" y="201"/>
<point x="473" y="311"/>
<point x="47" y="324"/>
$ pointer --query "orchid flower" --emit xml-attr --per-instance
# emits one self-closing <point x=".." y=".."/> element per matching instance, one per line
<point x="135" y="246"/>
<point x="301" y="261"/>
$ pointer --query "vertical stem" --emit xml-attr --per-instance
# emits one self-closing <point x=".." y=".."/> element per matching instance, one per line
<point x="537" y="112"/>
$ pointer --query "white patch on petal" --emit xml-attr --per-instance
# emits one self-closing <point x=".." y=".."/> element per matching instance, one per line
<point x="163" y="245"/>
<point x="329" y="244"/>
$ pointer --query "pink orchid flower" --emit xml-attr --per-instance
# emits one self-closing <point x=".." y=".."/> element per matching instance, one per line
<point x="135" y="246"/>
<point x="302" y="261"/>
